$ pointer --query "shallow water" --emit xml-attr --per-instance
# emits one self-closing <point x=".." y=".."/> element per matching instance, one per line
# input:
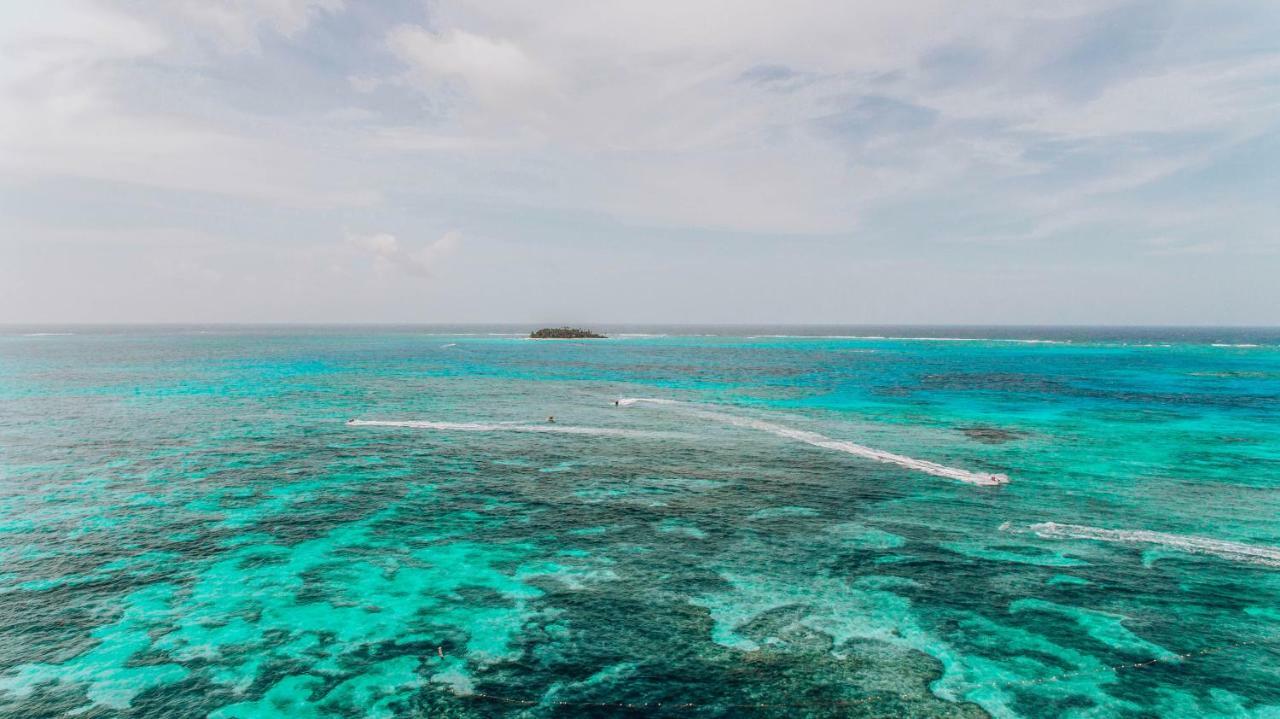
<point x="191" y="526"/>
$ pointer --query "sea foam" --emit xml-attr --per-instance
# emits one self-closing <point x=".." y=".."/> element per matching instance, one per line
<point x="1233" y="551"/>
<point x="821" y="440"/>
<point x="912" y="339"/>
<point x="549" y="428"/>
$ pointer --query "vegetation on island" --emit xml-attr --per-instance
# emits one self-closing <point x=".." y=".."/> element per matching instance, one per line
<point x="564" y="333"/>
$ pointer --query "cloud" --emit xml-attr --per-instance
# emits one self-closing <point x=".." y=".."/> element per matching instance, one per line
<point x="912" y="130"/>
<point x="494" y="72"/>
<point x="711" y="115"/>
<point x="73" y="77"/>
<point x="238" y="25"/>
<point x="389" y="254"/>
<point x="770" y="75"/>
<point x="673" y="115"/>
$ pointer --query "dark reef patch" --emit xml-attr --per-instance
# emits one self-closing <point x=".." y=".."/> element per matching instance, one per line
<point x="991" y="435"/>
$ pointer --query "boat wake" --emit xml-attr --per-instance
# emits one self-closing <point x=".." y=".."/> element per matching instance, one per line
<point x="1233" y="551"/>
<point x="821" y="440"/>
<point x="548" y="428"/>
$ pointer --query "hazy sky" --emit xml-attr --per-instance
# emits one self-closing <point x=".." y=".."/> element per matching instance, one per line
<point x="656" y="161"/>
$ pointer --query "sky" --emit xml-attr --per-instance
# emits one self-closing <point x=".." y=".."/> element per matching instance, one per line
<point x="597" y="161"/>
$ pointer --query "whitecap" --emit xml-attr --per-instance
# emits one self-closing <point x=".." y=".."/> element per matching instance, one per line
<point x="911" y="339"/>
<point x="1233" y="551"/>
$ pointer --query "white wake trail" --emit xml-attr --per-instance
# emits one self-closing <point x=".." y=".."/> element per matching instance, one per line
<point x="821" y="440"/>
<point x="549" y="428"/>
<point x="1233" y="551"/>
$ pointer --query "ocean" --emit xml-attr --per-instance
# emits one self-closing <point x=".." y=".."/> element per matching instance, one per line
<point x="721" y="521"/>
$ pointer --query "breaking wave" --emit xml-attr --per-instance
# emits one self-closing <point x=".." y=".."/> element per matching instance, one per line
<point x="913" y="339"/>
<point x="821" y="440"/>
<point x="549" y="428"/>
<point x="1233" y="551"/>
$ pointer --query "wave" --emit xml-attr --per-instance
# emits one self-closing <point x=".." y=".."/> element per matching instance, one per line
<point x="1233" y="551"/>
<point x="569" y="339"/>
<point x="825" y="442"/>
<point x="821" y="337"/>
<point x="1227" y="344"/>
<point x="548" y="428"/>
<point x="48" y="334"/>
<point x="982" y="339"/>
<point x="911" y="339"/>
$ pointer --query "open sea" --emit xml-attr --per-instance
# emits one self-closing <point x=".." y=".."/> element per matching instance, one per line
<point x="720" y="522"/>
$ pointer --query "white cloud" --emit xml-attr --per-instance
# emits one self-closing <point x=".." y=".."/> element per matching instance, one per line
<point x="389" y="254"/>
<point x="237" y="25"/>
<point x="495" y="72"/>
<point x="568" y="125"/>
<point x="64" y="75"/>
<point x="647" y="112"/>
<point x="48" y="49"/>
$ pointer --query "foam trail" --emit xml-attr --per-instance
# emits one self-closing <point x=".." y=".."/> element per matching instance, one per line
<point x="512" y="427"/>
<point x="821" y="440"/>
<point x="1233" y="551"/>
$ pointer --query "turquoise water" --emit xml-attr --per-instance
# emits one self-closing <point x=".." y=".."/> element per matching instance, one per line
<point x="189" y="526"/>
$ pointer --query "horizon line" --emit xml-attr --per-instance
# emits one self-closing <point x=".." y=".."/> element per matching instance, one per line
<point x="493" y="323"/>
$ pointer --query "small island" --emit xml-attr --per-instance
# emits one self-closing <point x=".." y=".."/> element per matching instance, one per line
<point x="564" y="333"/>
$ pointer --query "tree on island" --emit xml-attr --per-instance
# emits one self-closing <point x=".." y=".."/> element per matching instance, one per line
<point x="564" y="333"/>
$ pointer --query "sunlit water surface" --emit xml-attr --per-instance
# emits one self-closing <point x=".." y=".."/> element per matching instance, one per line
<point x="189" y="526"/>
